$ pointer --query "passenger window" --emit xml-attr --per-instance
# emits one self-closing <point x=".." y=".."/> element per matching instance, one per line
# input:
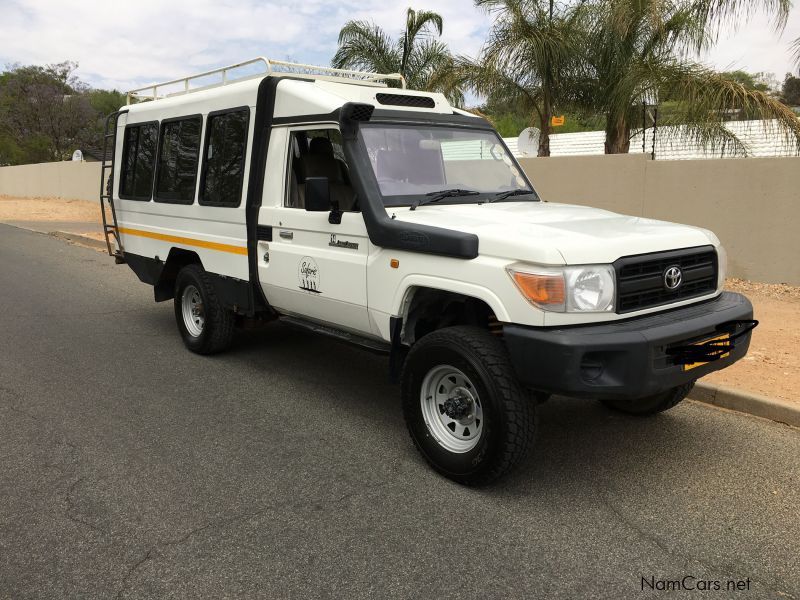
<point x="178" y="152"/>
<point x="138" y="160"/>
<point x="318" y="153"/>
<point x="223" y="160"/>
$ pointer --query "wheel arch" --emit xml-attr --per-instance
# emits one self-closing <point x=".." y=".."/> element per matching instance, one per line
<point x="426" y="305"/>
<point x="178" y="258"/>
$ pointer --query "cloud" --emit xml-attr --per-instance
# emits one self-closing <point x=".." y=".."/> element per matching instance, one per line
<point x="124" y="45"/>
<point x="756" y="47"/>
<point x="128" y="44"/>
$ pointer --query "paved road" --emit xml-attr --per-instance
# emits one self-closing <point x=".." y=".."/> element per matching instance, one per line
<point x="130" y="468"/>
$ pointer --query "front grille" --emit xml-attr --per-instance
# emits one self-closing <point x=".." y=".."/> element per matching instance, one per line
<point x="640" y="278"/>
<point x="406" y="100"/>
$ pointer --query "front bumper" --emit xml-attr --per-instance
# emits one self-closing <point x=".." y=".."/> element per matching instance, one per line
<point x="624" y="359"/>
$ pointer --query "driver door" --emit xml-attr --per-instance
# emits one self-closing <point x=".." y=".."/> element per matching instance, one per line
<point x="317" y="269"/>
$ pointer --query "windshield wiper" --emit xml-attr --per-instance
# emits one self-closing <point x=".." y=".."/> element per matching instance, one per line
<point x="436" y="196"/>
<point x="504" y="195"/>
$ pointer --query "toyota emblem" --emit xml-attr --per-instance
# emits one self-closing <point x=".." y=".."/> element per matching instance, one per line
<point x="672" y="278"/>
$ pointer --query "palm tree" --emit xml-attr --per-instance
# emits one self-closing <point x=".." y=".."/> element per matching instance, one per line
<point x="416" y="55"/>
<point x="640" y="48"/>
<point x="531" y="49"/>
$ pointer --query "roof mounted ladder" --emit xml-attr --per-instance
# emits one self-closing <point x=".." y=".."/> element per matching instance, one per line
<point x="107" y="190"/>
<point x="298" y="70"/>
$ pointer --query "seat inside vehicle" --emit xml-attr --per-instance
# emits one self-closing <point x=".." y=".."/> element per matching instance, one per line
<point x="314" y="156"/>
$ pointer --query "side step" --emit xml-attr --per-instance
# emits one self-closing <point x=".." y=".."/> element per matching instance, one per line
<point x="376" y="346"/>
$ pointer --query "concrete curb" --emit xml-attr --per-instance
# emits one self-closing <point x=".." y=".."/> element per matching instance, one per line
<point x="78" y="239"/>
<point x="747" y="402"/>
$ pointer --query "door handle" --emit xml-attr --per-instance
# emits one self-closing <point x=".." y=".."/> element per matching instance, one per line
<point x="287" y="235"/>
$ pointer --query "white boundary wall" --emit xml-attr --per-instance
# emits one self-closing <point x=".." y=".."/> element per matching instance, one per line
<point x="68" y="180"/>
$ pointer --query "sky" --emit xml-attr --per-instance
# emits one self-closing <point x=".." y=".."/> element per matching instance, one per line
<point x="123" y="45"/>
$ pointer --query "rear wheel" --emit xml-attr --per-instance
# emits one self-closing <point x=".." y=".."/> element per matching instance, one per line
<point x="651" y="405"/>
<point x="204" y="324"/>
<point x="464" y="409"/>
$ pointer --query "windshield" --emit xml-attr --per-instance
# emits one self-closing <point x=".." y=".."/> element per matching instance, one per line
<point x="409" y="162"/>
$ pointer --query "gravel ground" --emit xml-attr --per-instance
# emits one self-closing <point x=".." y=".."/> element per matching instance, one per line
<point x="48" y="209"/>
<point x="774" y="291"/>
<point x="772" y="366"/>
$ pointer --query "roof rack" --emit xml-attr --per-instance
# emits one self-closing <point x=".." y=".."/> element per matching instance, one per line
<point x="302" y="71"/>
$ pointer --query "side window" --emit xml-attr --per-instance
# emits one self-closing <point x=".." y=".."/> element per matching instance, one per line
<point x="223" y="158"/>
<point x="138" y="160"/>
<point x="178" y="150"/>
<point x="318" y="153"/>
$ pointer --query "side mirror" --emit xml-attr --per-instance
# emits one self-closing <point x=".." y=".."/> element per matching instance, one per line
<point x="318" y="194"/>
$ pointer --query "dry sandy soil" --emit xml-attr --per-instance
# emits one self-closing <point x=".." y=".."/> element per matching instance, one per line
<point x="771" y="368"/>
<point x="48" y="209"/>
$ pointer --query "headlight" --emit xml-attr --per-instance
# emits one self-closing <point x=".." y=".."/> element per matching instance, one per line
<point x="722" y="266"/>
<point x="587" y="288"/>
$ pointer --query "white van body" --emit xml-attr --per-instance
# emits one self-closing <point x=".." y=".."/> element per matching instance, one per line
<point x="386" y="272"/>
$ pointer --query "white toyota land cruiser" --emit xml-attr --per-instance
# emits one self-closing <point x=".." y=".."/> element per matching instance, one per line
<point x="389" y="219"/>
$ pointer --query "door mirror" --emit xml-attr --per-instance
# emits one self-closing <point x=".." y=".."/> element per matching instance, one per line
<point x="318" y="194"/>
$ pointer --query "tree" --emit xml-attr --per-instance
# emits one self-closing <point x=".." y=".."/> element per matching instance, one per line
<point x="531" y="50"/>
<point x="44" y="113"/>
<point x="103" y="103"/>
<point x="761" y="81"/>
<point x="635" y="49"/>
<point x="415" y="55"/>
<point x="790" y="92"/>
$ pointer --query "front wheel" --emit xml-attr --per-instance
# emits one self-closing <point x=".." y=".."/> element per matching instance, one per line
<point x="651" y="405"/>
<point x="203" y="322"/>
<point x="464" y="409"/>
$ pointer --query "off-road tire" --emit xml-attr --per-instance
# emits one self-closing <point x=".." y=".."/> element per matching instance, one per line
<point x="509" y="413"/>
<point x="219" y="326"/>
<point x="651" y="405"/>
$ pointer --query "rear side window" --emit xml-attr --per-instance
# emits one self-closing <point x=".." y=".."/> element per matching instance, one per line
<point x="223" y="161"/>
<point x="178" y="151"/>
<point x="138" y="161"/>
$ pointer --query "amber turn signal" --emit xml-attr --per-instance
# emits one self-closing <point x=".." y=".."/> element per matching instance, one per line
<point x="540" y="289"/>
<point x="394" y="263"/>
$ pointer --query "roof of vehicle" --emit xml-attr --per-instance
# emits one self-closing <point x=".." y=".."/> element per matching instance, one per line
<point x="299" y="93"/>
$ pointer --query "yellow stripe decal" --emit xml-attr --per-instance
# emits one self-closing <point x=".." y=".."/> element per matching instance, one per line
<point x="186" y="241"/>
